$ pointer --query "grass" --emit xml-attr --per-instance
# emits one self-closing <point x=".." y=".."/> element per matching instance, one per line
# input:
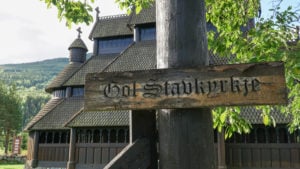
<point x="11" y="166"/>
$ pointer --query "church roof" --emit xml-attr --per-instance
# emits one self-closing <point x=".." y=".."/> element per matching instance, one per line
<point x="100" y="118"/>
<point x="111" y="26"/>
<point x="56" y="118"/>
<point x="146" y="16"/>
<point x="94" y="64"/>
<point x="78" y="43"/>
<point x="254" y="116"/>
<point x="64" y="75"/>
<point x="139" y="56"/>
<point x="49" y="106"/>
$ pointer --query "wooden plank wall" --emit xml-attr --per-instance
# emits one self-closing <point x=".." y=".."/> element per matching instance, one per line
<point x="255" y="156"/>
<point x="53" y="152"/>
<point x="93" y="153"/>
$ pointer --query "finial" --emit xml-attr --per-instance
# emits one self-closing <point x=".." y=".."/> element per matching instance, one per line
<point x="79" y="31"/>
<point x="97" y="12"/>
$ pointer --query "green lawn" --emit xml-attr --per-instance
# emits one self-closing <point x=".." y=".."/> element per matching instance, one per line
<point x="11" y="166"/>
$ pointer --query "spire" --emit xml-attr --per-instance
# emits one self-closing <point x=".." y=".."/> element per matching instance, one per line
<point x="79" y="32"/>
<point x="78" y="49"/>
<point x="78" y="43"/>
<point x="97" y="13"/>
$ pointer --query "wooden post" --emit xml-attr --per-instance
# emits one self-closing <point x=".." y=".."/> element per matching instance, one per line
<point x="35" y="150"/>
<point x="221" y="151"/>
<point x="72" y="146"/>
<point x="186" y="135"/>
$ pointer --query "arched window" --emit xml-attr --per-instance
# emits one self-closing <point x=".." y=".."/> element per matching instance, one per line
<point x="42" y="138"/>
<point x="261" y="135"/>
<point x="56" y="137"/>
<point x="121" y="136"/>
<point x="96" y="137"/>
<point x="49" y="137"/>
<point x="80" y="136"/>
<point x="64" y="137"/>
<point x="88" y="136"/>
<point x="250" y="138"/>
<point x="272" y="135"/>
<point x="105" y="136"/>
<point x="113" y="136"/>
<point x="283" y="136"/>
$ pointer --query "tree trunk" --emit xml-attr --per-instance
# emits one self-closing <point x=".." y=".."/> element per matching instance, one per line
<point x="186" y="135"/>
<point x="6" y="141"/>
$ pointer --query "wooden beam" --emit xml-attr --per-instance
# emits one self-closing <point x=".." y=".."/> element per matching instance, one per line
<point x="133" y="156"/>
<point x="226" y="85"/>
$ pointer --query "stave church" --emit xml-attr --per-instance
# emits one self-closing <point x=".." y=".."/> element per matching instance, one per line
<point x="65" y="136"/>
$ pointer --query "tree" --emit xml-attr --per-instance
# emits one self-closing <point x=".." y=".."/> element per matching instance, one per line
<point x="10" y="112"/>
<point x="269" y="40"/>
<point x="32" y="105"/>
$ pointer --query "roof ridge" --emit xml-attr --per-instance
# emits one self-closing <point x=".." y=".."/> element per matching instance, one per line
<point x="73" y="117"/>
<point x="46" y="107"/>
<point x="113" y="16"/>
<point x="132" y="44"/>
<point x="78" y="69"/>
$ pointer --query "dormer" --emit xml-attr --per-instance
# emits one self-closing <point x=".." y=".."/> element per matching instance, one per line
<point x="143" y="24"/>
<point x="111" y="34"/>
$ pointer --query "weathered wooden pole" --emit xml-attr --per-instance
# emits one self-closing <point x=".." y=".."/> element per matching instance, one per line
<point x="185" y="135"/>
<point x="72" y="146"/>
<point x="35" y="149"/>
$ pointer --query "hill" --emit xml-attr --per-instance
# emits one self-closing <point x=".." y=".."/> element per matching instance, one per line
<point x="34" y="75"/>
<point x="31" y="80"/>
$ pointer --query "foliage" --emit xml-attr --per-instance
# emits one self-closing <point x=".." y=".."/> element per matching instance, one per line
<point x="29" y="81"/>
<point x="130" y="5"/>
<point x="267" y="40"/>
<point x="10" y="112"/>
<point x="73" y="11"/>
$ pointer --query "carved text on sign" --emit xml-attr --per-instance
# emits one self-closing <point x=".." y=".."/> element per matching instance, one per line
<point x="153" y="89"/>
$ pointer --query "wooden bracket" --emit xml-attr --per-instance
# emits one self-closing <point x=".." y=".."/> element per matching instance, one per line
<point x="133" y="156"/>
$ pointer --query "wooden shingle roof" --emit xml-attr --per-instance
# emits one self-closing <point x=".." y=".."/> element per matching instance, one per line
<point x="146" y="16"/>
<point x="78" y="43"/>
<point x="56" y="118"/>
<point x="49" y="106"/>
<point x="111" y="26"/>
<point x="254" y="116"/>
<point x="100" y="118"/>
<point x="63" y="76"/>
<point x="139" y="56"/>
<point x="94" y="64"/>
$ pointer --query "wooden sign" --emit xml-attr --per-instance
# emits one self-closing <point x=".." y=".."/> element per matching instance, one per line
<point x="226" y="85"/>
<point x="16" y="147"/>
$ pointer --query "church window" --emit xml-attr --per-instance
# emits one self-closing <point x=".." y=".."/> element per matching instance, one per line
<point x="148" y="33"/>
<point x="61" y="93"/>
<point x="77" y="91"/>
<point x="114" y="44"/>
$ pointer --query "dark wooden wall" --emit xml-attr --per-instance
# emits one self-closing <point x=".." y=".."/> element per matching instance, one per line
<point x="93" y="153"/>
<point x="53" y="152"/>
<point x="263" y="156"/>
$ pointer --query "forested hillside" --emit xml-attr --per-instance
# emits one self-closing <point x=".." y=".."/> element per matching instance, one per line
<point x="30" y="80"/>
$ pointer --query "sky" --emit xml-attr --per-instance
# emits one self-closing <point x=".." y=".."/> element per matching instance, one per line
<point x="30" y="32"/>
